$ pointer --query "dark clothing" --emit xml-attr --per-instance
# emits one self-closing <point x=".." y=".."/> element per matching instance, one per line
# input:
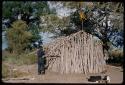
<point x="41" y="65"/>
<point x="40" y="54"/>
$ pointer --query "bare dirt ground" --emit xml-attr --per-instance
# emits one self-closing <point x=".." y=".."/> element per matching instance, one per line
<point x="115" y="73"/>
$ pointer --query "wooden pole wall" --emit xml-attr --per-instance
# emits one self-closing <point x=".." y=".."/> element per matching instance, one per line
<point x="77" y="53"/>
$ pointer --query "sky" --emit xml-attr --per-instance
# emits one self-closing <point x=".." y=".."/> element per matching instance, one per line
<point x="4" y="41"/>
<point x="61" y="11"/>
<point x="46" y="37"/>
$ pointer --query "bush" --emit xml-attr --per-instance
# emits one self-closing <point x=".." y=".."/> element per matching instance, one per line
<point x="116" y="53"/>
<point x="18" y="36"/>
<point x="116" y="58"/>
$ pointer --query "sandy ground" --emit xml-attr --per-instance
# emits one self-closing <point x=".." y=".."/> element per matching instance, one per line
<point x="115" y="73"/>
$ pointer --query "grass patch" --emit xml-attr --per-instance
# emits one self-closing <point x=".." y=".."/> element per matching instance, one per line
<point x="27" y="59"/>
<point x="9" y="59"/>
<point x="7" y="72"/>
<point x="19" y="59"/>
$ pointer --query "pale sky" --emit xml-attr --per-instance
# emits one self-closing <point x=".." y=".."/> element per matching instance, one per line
<point x="61" y="11"/>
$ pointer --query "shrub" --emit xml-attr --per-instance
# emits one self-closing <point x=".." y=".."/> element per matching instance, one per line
<point x="116" y="57"/>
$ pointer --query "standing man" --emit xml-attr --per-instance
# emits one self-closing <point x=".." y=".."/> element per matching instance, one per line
<point x="40" y="55"/>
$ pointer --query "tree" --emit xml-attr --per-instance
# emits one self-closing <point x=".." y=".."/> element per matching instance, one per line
<point x="18" y="37"/>
<point x="104" y="20"/>
<point x="35" y="32"/>
<point x="25" y="10"/>
<point x="52" y="23"/>
<point x="103" y="23"/>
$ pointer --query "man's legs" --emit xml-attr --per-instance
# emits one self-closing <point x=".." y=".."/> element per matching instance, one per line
<point x="39" y="68"/>
<point x="42" y="66"/>
<point x="39" y="65"/>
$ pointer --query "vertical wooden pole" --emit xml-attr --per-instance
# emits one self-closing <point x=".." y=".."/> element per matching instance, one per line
<point x="79" y="53"/>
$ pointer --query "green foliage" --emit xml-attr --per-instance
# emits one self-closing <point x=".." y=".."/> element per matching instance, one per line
<point x="34" y="29"/>
<point x="18" y="36"/>
<point x="87" y="24"/>
<point x="75" y="18"/>
<point x="10" y="7"/>
<point x="117" y="7"/>
<point x="53" y="22"/>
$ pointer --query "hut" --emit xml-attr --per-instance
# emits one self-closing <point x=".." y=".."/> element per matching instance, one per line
<point x="76" y="53"/>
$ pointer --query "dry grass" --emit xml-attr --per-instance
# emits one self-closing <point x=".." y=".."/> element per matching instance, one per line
<point x="19" y="59"/>
<point x="8" y="72"/>
<point x="10" y="60"/>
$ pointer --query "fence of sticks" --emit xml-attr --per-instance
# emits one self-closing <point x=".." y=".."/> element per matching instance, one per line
<point x="76" y="53"/>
